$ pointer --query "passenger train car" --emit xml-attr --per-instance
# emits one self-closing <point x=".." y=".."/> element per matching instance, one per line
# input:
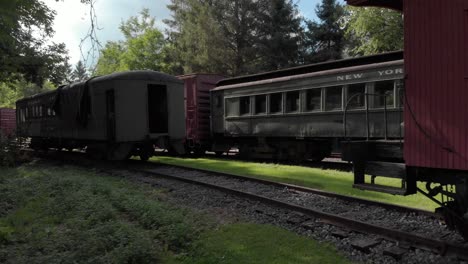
<point x="298" y="113"/>
<point x="113" y="116"/>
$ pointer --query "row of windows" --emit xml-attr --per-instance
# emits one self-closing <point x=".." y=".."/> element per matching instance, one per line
<point x="318" y="99"/>
<point x="34" y="111"/>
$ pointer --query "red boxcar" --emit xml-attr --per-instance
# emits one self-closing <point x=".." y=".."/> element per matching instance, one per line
<point x="436" y="96"/>
<point x="197" y="110"/>
<point x="436" y="65"/>
<point x="7" y="121"/>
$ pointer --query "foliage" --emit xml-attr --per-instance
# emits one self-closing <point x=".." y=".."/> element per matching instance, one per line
<point x="13" y="90"/>
<point x="373" y="30"/>
<point x="25" y="29"/>
<point x="142" y="48"/>
<point x="233" y="37"/>
<point x="74" y="216"/>
<point x="251" y="243"/>
<point x="325" y="39"/>
<point x="80" y="73"/>
<point x="11" y="153"/>
<point x="280" y="35"/>
<point x="328" y="180"/>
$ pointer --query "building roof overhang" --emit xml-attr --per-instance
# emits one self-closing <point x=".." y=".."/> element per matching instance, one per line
<point x="392" y="4"/>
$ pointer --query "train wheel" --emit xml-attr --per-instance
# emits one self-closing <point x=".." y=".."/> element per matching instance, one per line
<point x="144" y="156"/>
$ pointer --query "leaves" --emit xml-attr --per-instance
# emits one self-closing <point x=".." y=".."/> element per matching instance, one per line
<point x="25" y="28"/>
<point x="374" y="30"/>
<point x="142" y="49"/>
<point x="325" y="39"/>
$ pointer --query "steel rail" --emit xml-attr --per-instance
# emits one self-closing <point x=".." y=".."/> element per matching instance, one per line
<point x="394" y="207"/>
<point x="440" y="247"/>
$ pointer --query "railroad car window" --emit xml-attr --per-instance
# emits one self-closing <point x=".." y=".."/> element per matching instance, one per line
<point x="244" y="108"/>
<point x="356" y="94"/>
<point x="333" y="98"/>
<point x="276" y="103"/>
<point x="260" y="104"/>
<point x="232" y="107"/>
<point x="313" y="99"/>
<point x="384" y="88"/>
<point x="292" y="101"/>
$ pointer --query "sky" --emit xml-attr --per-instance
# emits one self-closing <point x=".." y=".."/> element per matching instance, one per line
<point x="72" y="19"/>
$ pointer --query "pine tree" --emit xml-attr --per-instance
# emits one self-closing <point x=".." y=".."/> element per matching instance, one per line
<point x="80" y="73"/>
<point x="325" y="39"/>
<point x="280" y="34"/>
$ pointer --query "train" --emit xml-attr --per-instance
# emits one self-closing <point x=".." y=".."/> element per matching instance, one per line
<point x="291" y="114"/>
<point x="353" y="106"/>
<point x="7" y="122"/>
<point x="113" y="116"/>
<point x="398" y="115"/>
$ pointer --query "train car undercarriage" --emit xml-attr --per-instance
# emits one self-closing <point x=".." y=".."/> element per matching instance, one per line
<point x="447" y="188"/>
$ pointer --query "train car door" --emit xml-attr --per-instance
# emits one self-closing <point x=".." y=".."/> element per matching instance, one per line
<point x="110" y="115"/>
<point x="157" y="109"/>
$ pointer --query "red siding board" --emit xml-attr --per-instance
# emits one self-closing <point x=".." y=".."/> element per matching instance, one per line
<point x="197" y="105"/>
<point x="7" y="121"/>
<point x="436" y="58"/>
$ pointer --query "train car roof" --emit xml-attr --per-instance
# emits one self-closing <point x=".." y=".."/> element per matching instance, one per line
<point x="127" y="75"/>
<point x="317" y="67"/>
<point x="137" y="75"/>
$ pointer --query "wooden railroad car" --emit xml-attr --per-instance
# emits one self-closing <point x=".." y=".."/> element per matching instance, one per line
<point x="113" y="116"/>
<point x="436" y="112"/>
<point x="7" y="122"/>
<point x="197" y="110"/>
<point x="303" y="112"/>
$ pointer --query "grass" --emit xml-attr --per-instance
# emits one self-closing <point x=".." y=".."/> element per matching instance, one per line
<point x="328" y="180"/>
<point x="70" y="215"/>
<point x="249" y="243"/>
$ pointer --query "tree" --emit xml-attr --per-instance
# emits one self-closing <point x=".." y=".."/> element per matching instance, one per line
<point x="373" y="30"/>
<point x="80" y="73"/>
<point x="325" y="39"/>
<point x="280" y="34"/>
<point x="25" y="28"/>
<point x="142" y="48"/>
<point x="233" y="37"/>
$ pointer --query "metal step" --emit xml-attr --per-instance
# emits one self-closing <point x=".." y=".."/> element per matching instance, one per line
<point x="380" y="188"/>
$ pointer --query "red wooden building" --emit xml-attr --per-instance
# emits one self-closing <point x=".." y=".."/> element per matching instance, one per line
<point x="436" y="98"/>
<point x="197" y="109"/>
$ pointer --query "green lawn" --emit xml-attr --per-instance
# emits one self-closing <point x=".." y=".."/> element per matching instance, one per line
<point x="328" y="180"/>
<point x="249" y="243"/>
<point x="69" y="215"/>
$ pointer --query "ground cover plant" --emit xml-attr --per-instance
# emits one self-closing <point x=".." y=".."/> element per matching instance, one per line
<point x="64" y="214"/>
<point x="328" y="180"/>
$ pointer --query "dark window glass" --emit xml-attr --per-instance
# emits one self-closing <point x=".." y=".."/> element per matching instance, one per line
<point x="276" y="103"/>
<point x="383" y="88"/>
<point x="313" y="99"/>
<point x="260" y="104"/>
<point x="218" y="101"/>
<point x="232" y="107"/>
<point x="244" y="105"/>
<point x="356" y="95"/>
<point x="292" y="101"/>
<point x="333" y="98"/>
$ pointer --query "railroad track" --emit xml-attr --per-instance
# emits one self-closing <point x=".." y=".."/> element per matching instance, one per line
<point x="389" y="206"/>
<point x="443" y="248"/>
